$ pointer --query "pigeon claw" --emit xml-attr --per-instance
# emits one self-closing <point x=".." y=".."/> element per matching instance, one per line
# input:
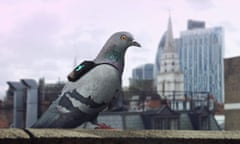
<point x="103" y="126"/>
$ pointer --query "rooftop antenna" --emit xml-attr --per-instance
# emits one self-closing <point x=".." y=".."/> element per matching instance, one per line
<point x="75" y="62"/>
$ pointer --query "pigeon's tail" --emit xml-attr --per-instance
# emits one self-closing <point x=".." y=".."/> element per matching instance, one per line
<point x="48" y="119"/>
<point x="52" y="118"/>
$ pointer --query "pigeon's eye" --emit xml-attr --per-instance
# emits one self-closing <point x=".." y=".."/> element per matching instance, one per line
<point x="123" y="37"/>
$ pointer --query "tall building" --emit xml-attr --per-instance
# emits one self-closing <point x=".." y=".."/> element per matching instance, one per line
<point x="142" y="78"/>
<point x="144" y="72"/>
<point x="201" y="59"/>
<point x="170" y="78"/>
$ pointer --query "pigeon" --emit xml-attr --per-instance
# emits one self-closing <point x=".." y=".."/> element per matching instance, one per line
<point x="91" y="88"/>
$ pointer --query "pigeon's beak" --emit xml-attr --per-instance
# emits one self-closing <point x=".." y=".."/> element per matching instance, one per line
<point x="134" y="43"/>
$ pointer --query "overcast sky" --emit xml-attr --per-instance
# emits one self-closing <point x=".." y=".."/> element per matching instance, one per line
<point x="40" y="38"/>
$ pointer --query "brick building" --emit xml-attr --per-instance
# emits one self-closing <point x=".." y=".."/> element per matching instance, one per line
<point x="5" y="115"/>
<point x="232" y="93"/>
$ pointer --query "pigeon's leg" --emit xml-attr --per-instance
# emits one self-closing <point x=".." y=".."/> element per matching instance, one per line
<point x="100" y="125"/>
<point x="103" y="126"/>
<point x="94" y="121"/>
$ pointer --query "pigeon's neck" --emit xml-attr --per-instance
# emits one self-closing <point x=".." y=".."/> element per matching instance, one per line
<point x="111" y="55"/>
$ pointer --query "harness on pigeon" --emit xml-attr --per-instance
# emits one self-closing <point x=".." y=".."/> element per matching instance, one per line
<point x="80" y="70"/>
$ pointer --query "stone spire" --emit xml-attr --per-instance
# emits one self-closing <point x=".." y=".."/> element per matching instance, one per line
<point x="169" y="43"/>
<point x="170" y="78"/>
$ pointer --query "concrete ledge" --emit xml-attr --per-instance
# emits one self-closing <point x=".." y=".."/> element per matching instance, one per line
<point x="81" y="136"/>
<point x="13" y="136"/>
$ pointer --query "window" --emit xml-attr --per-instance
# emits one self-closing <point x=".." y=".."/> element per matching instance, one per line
<point x="160" y="123"/>
<point x="204" y="123"/>
<point x="173" y="124"/>
<point x="215" y="38"/>
<point x="200" y="41"/>
<point x="164" y="123"/>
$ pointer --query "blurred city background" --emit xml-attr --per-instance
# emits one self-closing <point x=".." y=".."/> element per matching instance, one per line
<point x="183" y="89"/>
<point x="189" y="85"/>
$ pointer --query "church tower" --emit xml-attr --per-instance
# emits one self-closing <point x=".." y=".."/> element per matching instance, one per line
<point x="170" y="78"/>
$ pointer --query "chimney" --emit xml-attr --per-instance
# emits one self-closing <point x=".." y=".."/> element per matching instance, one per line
<point x="32" y="101"/>
<point x="18" y="104"/>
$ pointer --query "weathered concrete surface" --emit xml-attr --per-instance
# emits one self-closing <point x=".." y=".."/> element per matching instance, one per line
<point x="14" y="136"/>
<point x="81" y="136"/>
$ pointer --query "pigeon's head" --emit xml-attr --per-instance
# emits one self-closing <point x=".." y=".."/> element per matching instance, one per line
<point x="116" y="46"/>
<point x="114" y="49"/>
<point x="122" y="40"/>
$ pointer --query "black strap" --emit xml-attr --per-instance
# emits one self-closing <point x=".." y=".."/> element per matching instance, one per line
<point x="80" y="70"/>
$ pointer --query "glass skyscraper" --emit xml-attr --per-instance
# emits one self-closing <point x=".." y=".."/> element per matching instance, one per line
<point x="144" y="72"/>
<point x="201" y="60"/>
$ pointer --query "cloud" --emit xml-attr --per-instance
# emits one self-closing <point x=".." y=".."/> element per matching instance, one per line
<point x="41" y="38"/>
<point x="44" y="39"/>
<point x="200" y="4"/>
<point x="230" y="27"/>
<point x="34" y="37"/>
